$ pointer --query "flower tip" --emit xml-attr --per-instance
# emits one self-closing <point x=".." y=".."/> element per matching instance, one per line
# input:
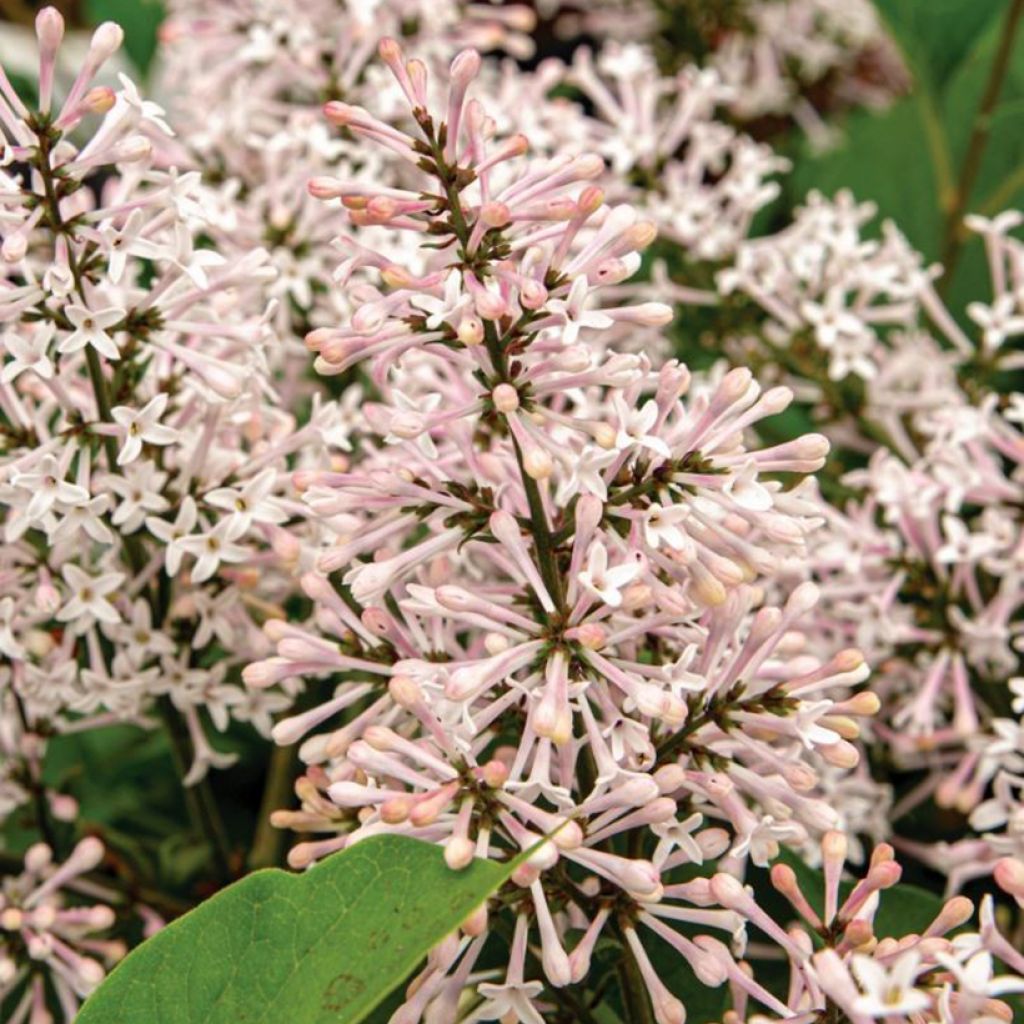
<point x="87" y="854"/>
<point x="1008" y="874"/>
<point x="458" y="853"/>
<point x="389" y="49"/>
<point x="465" y="67"/>
<point x="99" y="99"/>
<point x="337" y="113"/>
<point x="49" y="28"/>
<point x="106" y="41"/>
<point x="728" y="891"/>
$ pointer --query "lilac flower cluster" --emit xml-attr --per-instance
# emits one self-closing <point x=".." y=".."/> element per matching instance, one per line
<point x="340" y="402"/>
<point x="142" y="441"/>
<point x="544" y="591"/>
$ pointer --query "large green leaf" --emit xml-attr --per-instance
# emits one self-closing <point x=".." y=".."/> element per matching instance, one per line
<point x="324" y="946"/>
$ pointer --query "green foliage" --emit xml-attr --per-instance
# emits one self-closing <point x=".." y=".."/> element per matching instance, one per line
<point x="328" y="945"/>
<point x="909" y="158"/>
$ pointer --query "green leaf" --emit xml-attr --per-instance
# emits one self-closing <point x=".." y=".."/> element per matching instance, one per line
<point x="888" y="158"/>
<point x="935" y="35"/>
<point x="325" y="946"/>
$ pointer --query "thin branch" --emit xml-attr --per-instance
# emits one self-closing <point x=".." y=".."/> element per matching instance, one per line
<point x="979" y="140"/>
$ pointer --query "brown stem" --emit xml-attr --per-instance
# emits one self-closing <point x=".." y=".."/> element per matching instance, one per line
<point x="978" y="140"/>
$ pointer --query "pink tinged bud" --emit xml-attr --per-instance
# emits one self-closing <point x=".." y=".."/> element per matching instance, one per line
<point x="405" y="691"/>
<point x="489" y="305"/>
<point x="955" y="912"/>
<point x="589" y="511"/>
<point x="99" y="99"/>
<point x="105" y="42"/>
<point x="49" y="29"/>
<point x="840" y="754"/>
<point x="38" y="857"/>
<point x="323" y="188"/>
<point x="465" y="68"/>
<point x="811" y="446"/>
<point x="63" y="807"/>
<point x="470" y="331"/>
<point x="495" y="215"/>
<point x="525" y="875"/>
<point x="494" y="774"/>
<point x="532" y="294"/>
<point x="554" y="959"/>
<point x="538" y="464"/>
<point x="863" y="704"/>
<point x="390" y="51"/>
<point x="713" y="842"/>
<point x="47" y="598"/>
<point x="654" y="314"/>
<point x="591" y="635"/>
<point x="85" y="856"/>
<point x="802" y="600"/>
<point x="476" y="924"/>
<point x="1009" y="876"/>
<point x="101" y="917"/>
<point x="670" y="778"/>
<point x="89" y="972"/>
<point x="505" y="398"/>
<point x="459" y="852"/>
<point x="339" y="113"/>
<point x="14" y="248"/>
<point x="590" y="200"/>
<point x="428" y="810"/>
<point x="579" y="959"/>
<point x="12" y="920"/>
<point x="729" y="892"/>
<point x="396" y="810"/>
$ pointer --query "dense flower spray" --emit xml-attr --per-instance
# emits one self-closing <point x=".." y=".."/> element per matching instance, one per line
<point x="141" y="440"/>
<point x="543" y="595"/>
<point x="52" y="940"/>
<point x="920" y="557"/>
<point x="508" y="577"/>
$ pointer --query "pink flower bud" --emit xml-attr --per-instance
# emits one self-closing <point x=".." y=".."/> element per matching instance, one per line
<point x="105" y="42"/>
<point x="49" y="29"/>
<point x="505" y="398"/>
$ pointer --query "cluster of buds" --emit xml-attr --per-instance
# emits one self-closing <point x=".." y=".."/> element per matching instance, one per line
<point x="840" y="964"/>
<point x="542" y="612"/>
<point x="53" y="942"/>
<point x="245" y="84"/>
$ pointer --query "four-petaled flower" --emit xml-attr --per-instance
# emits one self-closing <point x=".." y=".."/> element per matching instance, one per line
<point x="603" y="582"/>
<point x="143" y="425"/>
<point x="91" y="329"/>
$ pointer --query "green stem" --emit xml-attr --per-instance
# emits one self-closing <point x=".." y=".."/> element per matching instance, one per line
<point x="979" y="140"/>
<point x="42" y="811"/>
<point x="635" y="1001"/>
<point x="268" y="843"/>
<point x="201" y="803"/>
<point x="547" y="563"/>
